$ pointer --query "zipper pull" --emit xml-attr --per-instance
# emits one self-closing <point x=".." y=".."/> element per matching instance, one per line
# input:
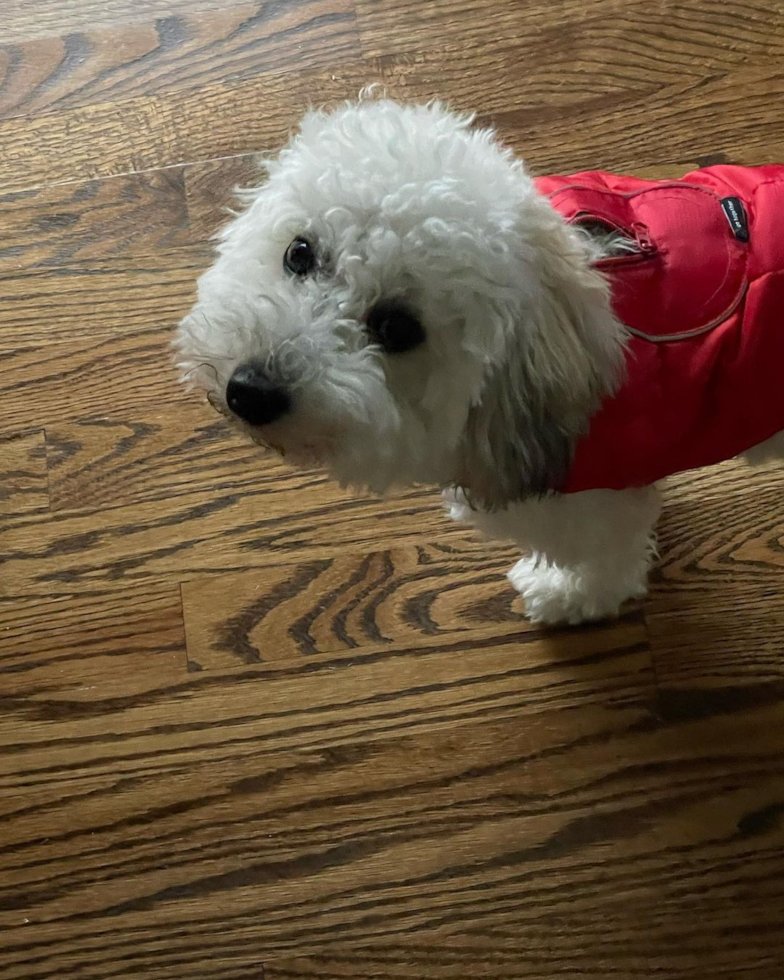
<point x="643" y="237"/>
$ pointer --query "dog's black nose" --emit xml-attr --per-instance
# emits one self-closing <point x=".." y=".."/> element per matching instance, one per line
<point x="254" y="398"/>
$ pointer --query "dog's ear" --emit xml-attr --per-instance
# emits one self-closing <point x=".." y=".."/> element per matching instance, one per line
<point x="562" y="353"/>
<point x="514" y="444"/>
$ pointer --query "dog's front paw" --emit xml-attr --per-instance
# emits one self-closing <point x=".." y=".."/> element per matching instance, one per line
<point x="455" y="504"/>
<point x="555" y="595"/>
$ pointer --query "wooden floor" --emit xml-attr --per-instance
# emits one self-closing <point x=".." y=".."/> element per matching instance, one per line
<point x="253" y="727"/>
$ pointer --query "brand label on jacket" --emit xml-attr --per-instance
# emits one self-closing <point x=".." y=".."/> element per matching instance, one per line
<point x="736" y="215"/>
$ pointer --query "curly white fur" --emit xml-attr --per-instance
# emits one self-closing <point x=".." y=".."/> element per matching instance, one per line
<point x="413" y="204"/>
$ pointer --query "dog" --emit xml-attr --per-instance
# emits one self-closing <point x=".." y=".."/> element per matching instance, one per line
<point x="401" y="302"/>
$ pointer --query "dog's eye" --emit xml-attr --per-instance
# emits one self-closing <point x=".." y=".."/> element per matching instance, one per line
<point x="300" y="257"/>
<point x="395" y="328"/>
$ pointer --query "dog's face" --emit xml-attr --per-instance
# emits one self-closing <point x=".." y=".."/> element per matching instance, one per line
<point x="375" y="293"/>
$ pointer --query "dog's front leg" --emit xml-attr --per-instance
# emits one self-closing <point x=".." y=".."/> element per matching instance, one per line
<point x="587" y="553"/>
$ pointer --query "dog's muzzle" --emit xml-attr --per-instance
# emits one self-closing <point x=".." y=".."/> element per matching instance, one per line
<point x="253" y="397"/>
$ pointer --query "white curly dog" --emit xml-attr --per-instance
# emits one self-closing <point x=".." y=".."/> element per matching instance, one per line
<point x="399" y="303"/>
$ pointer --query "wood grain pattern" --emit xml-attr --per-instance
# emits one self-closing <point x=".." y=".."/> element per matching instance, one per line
<point x="89" y="377"/>
<point x="326" y="700"/>
<point x="63" y="226"/>
<point x="148" y="132"/>
<point x="63" y="17"/>
<point x="616" y="114"/>
<point x="404" y="595"/>
<point x="23" y="479"/>
<point x="210" y="191"/>
<point x="90" y="220"/>
<point x="608" y="37"/>
<point x="107" y="460"/>
<point x="254" y="726"/>
<point x="68" y="648"/>
<point x="564" y="129"/>
<point x="718" y="587"/>
<point x="194" y="532"/>
<point x="433" y="839"/>
<point x="90" y="301"/>
<point x="500" y="955"/>
<point x="179" y="50"/>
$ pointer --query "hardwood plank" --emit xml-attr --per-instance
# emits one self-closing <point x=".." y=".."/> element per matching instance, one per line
<point x="155" y="211"/>
<point x="210" y="190"/>
<point x="23" y="480"/>
<point x="106" y="461"/>
<point x="609" y="37"/>
<point x="627" y="125"/>
<point x="618" y="117"/>
<point x="497" y="956"/>
<point x="178" y="50"/>
<point x="327" y="701"/>
<point x="584" y="837"/>
<point x="456" y="24"/>
<point x="91" y="300"/>
<point x="403" y="595"/>
<point x="102" y="376"/>
<point x="224" y="529"/>
<point x="91" y="220"/>
<point x="623" y="116"/>
<point x="66" y="16"/>
<point x="733" y="480"/>
<point x="170" y="128"/>
<point x="717" y="607"/>
<point x="69" y="648"/>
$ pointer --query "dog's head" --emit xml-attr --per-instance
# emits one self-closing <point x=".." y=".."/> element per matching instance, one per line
<point x="398" y="303"/>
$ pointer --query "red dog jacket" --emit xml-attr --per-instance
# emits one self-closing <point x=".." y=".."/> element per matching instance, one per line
<point x="703" y="300"/>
